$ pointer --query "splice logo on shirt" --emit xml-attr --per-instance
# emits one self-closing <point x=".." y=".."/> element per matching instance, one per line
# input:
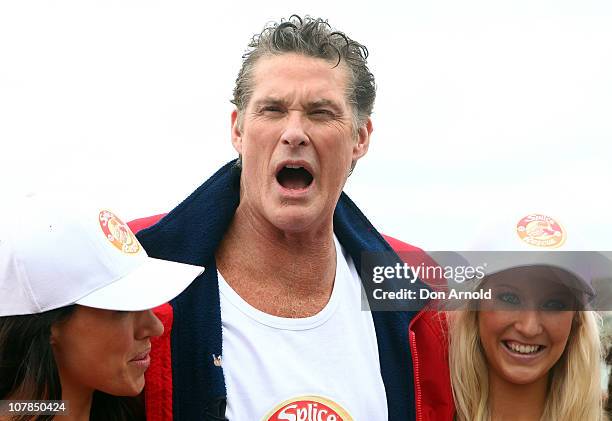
<point x="308" y="408"/>
<point x="540" y="231"/>
<point x="118" y="233"/>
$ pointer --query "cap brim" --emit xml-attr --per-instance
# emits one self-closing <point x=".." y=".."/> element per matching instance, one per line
<point x="574" y="269"/>
<point x="149" y="285"/>
<point x="578" y="270"/>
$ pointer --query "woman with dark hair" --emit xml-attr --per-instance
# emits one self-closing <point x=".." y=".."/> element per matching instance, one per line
<point x="76" y="289"/>
<point x="28" y="369"/>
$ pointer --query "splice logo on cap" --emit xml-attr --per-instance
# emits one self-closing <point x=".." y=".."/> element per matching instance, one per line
<point x="308" y="408"/>
<point x="118" y="233"/>
<point x="540" y="231"/>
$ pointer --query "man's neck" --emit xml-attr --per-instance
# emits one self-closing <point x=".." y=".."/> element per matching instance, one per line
<point x="283" y="274"/>
<point x="517" y="402"/>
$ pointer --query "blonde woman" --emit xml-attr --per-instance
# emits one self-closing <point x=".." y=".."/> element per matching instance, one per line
<point x="531" y="351"/>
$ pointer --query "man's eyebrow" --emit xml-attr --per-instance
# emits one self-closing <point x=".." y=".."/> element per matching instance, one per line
<point x="337" y="108"/>
<point x="322" y="103"/>
<point x="309" y="106"/>
<point x="268" y="101"/>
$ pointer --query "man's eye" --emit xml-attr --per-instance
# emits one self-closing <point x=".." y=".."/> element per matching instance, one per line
<point x="322" y="113"/>
<point x="271" y="109"/>
<point x="509" y="298"/>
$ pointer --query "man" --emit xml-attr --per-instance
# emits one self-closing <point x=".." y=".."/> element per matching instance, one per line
<point x="274" y="326"/>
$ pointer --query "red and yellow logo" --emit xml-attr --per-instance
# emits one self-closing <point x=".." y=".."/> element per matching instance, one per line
<point x="118" y="233"/>
<point x="541" y="231"/>
<point x="308" y="408"/>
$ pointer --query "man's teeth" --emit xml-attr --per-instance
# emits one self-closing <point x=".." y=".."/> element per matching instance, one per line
<point x="295" y="167"/>
<point x="523" y="349"/>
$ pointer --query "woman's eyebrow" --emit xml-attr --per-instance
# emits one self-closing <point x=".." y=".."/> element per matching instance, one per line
<point x="512" y="287"/>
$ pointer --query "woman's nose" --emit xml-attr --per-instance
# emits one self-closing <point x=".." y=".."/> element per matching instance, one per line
<point x="528" y="323"/>
<point x="148" y="325"/>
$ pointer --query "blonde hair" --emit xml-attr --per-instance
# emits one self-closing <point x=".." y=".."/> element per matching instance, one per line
<point x="574" y="382"/>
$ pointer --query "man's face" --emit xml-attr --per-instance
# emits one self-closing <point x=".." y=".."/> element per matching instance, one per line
<point x="297" y="142"/>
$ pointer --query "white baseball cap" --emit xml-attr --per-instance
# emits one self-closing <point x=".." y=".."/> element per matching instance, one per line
<point x="55" y="252"/>
<point x="522" y="239"/>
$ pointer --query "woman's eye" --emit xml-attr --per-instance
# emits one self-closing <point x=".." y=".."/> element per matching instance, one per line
<point x="120" y="313"/>
<point x="508" y="298"/>
<point x="554" y="305"/>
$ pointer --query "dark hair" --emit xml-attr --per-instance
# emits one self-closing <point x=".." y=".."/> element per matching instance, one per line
<point x="28" y="369"/>
<point x="312" y="37"/>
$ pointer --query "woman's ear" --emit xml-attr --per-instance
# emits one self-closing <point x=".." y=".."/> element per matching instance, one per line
<point x="54" y="334"/>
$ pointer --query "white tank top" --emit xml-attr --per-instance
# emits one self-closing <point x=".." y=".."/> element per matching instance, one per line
<point x="319" y="368"/>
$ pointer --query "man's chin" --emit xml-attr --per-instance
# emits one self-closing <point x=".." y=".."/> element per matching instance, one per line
<point x="296" y="219"/>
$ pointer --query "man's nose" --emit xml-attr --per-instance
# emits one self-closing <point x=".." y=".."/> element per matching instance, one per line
<point x="148" y="325"/>
<point x="294" y="133"/>
<point x="528" y="322"/>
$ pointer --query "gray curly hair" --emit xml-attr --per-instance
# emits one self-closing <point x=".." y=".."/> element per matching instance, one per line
<point x="312" y="37"/>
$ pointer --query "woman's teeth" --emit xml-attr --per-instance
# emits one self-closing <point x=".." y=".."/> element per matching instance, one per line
<point x="523" y="349"/>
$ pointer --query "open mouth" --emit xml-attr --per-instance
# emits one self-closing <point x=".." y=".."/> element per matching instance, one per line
<point x="522" y="349"/>
<point x="294" y="177"/>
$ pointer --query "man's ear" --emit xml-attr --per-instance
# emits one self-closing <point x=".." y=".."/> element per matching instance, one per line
<point x="236" y="132"/>
<point x="363" y="140"/>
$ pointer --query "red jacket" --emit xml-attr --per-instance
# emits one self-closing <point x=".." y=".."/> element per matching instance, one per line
<point x="428" y="342"/>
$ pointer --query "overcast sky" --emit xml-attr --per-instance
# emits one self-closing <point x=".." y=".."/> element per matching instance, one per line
<point x="482" y="106"/>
